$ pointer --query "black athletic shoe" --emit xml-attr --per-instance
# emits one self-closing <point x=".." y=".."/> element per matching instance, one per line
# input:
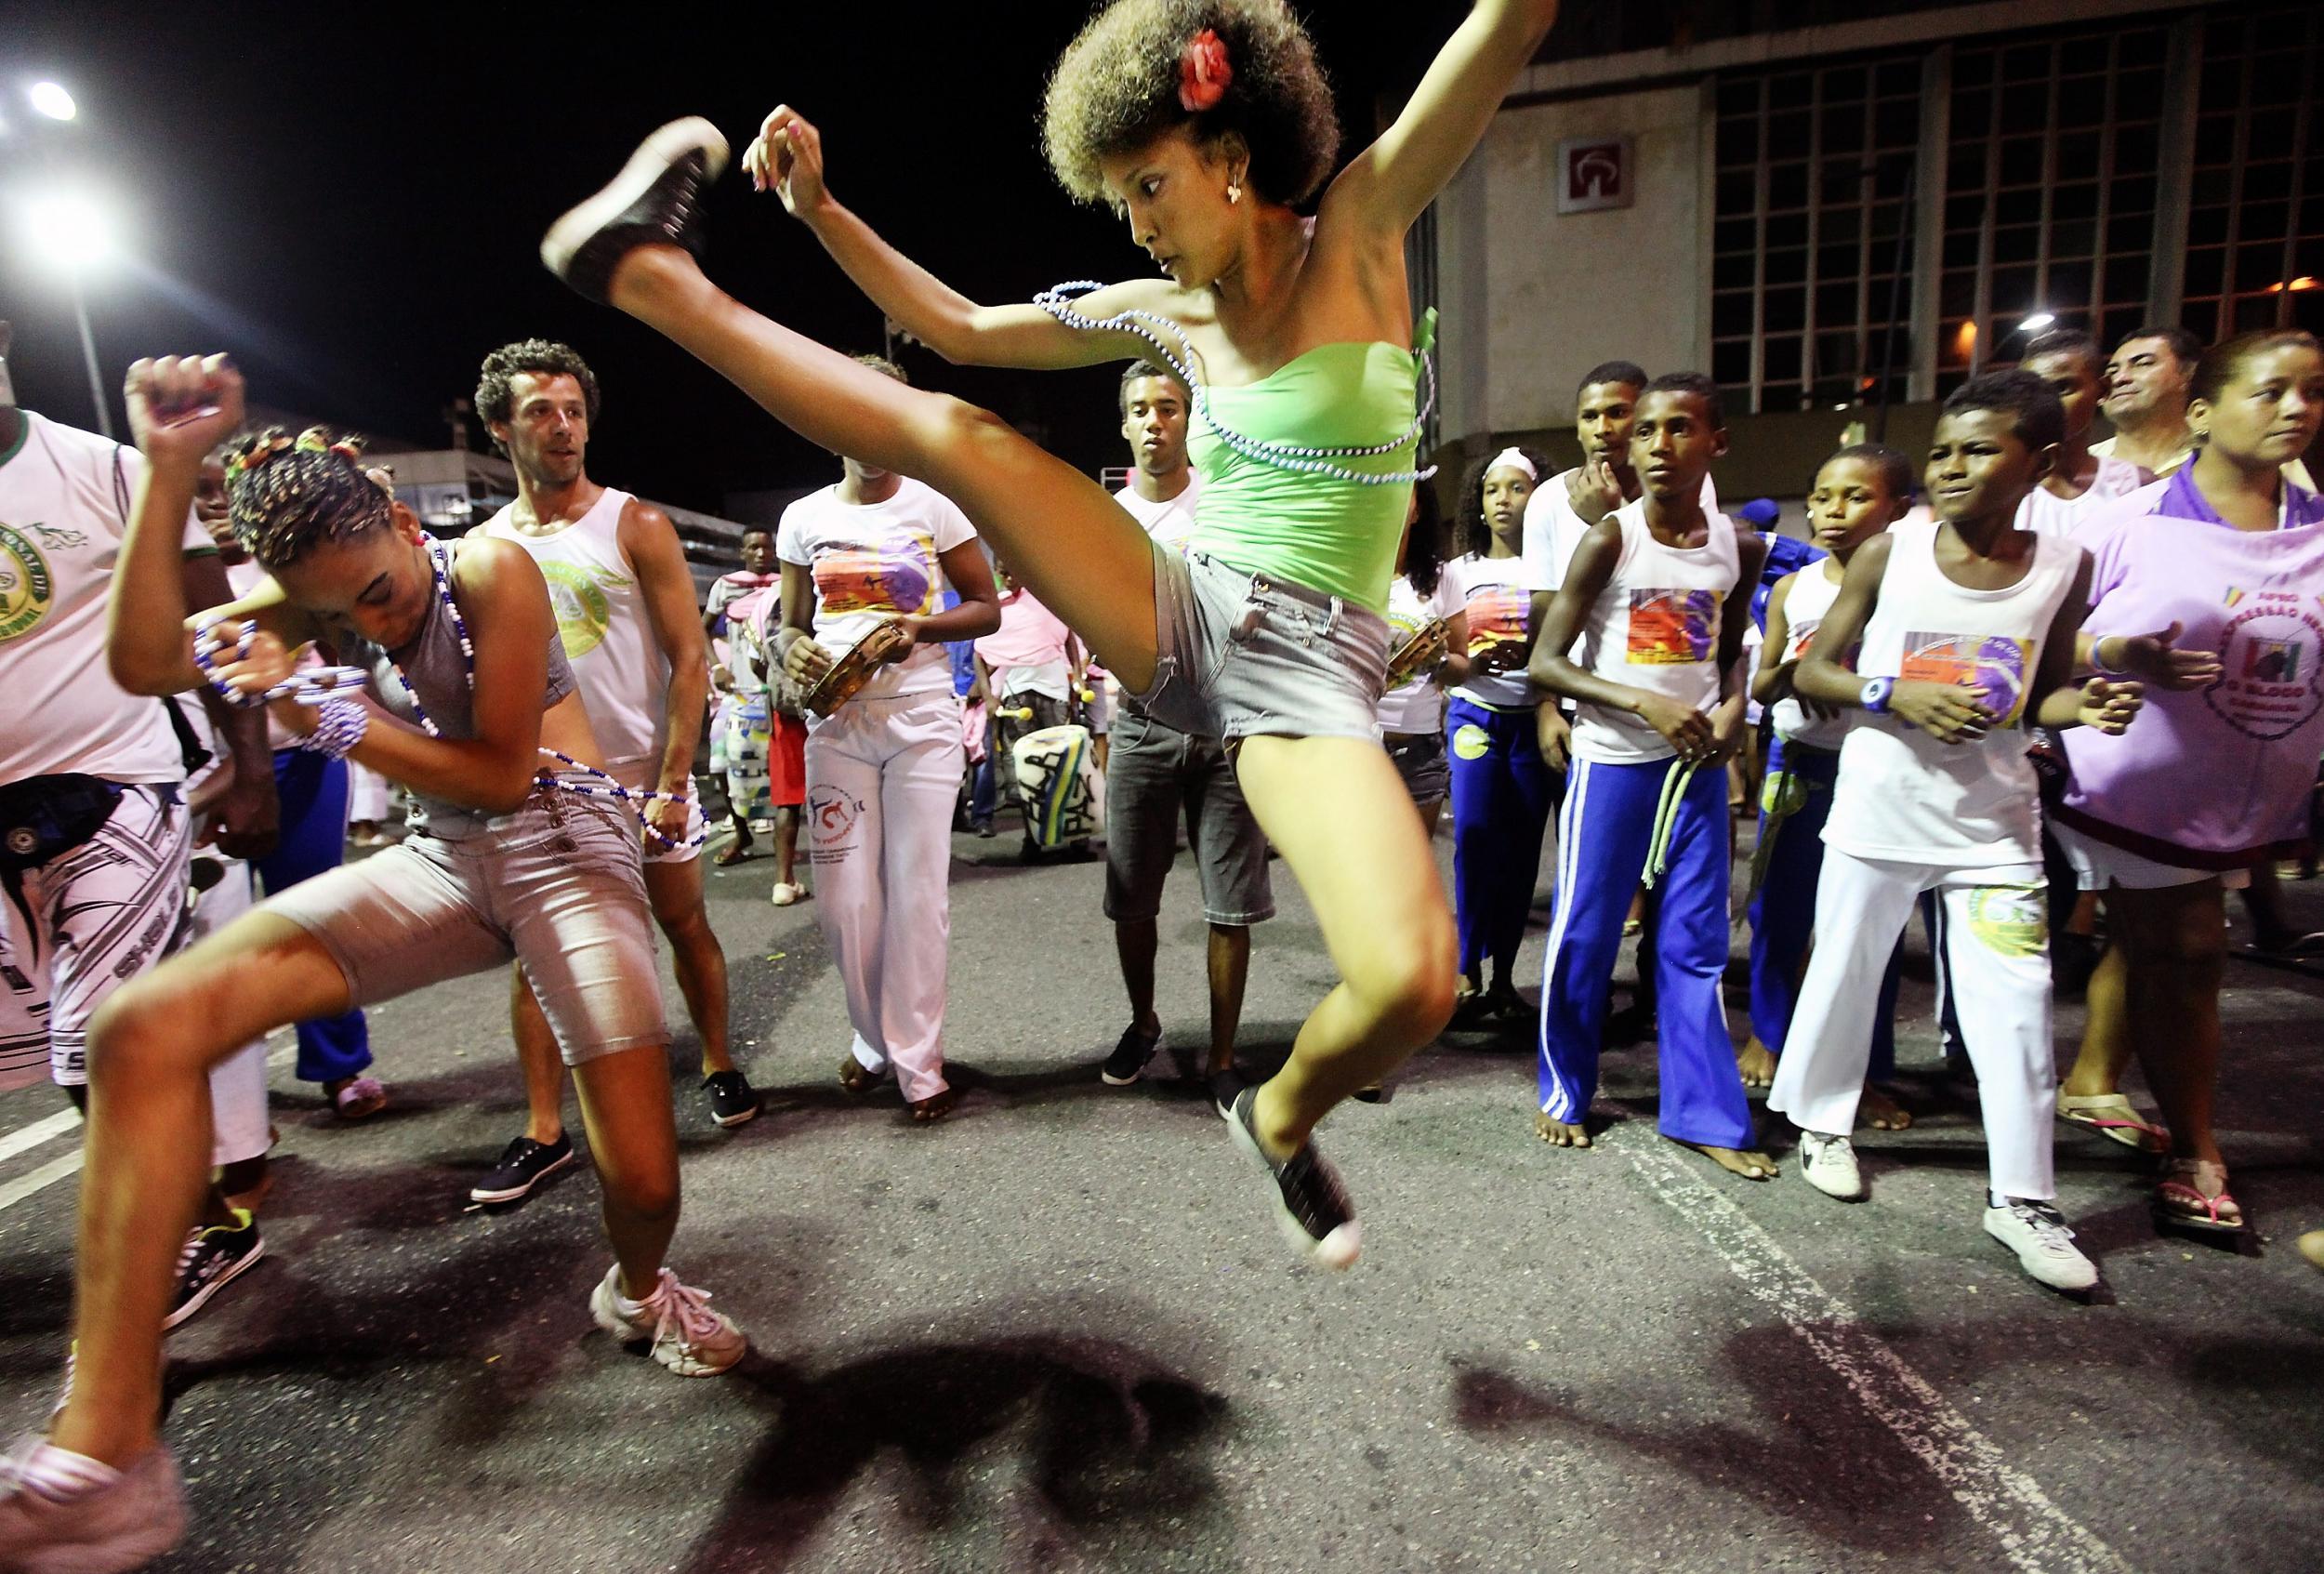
<point x="524" y="1165"/>
<point x="1129" y="1060"/>
<point x="651" y="202"/>
<point x="213" y="1259"/>
<point x="1311" y="1205"/>
<point x="732" y="1099"/>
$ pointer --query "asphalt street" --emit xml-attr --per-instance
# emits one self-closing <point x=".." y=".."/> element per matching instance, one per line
<point x="1060" y="1332"/>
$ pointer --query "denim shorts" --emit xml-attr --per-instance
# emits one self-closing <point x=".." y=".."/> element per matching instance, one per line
<point x="557" y="884"/>
<point x="1241" y="655"/>
<point x="1155" y="776"/>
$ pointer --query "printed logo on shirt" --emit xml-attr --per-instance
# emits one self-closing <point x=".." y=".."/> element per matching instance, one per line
<point x="27" y="587"/>
<point x="2273" y="650"/>
<point x="2010" y="921"/>
<point x="899" y="575"/>
<point x="1672" y="628"/>
<point x="1996" y="667"/>
<point x="577" y="596"/>
<point x="1498" y="614"/>
<point x="1472" y="742"/>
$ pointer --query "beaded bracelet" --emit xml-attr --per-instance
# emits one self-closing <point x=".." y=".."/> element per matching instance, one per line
<point x="312" y="685"/>
<point x="339" y="726"/>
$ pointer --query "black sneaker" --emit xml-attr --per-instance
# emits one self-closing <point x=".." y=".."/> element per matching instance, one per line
<point x="1311" y="1206"/>
<point x="213" y="1259"/>
<point x="651" y="202"/>
<point x="732" y="1099"/>
<point x="1129" y="1060"/>
<point x="524" y="1165"/>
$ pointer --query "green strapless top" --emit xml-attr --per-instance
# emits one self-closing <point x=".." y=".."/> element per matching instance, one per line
<point x="1327" y="533"/>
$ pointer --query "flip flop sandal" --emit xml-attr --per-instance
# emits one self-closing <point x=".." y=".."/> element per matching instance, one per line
<point x="359" y="1098"/>
<point x="733" y="853"/>
<point x="2183" y="1203"/>
<point x="2111" y="1116"/>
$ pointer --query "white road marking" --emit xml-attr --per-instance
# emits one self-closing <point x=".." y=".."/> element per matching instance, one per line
<point x="25" y="1137"/>
<point x="56" y="1168"/>
<point x="2035" y="1534"/>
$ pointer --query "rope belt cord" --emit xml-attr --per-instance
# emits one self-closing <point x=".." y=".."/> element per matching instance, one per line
<point x="342" y="722"/>
<point x="1674" y="785"/>
<point x="1149" y="326"/>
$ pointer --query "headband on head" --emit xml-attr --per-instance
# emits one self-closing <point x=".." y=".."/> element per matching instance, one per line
<point x="1512" y="459"/>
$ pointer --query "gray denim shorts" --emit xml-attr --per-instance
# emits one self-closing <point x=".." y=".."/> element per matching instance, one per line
<point x="1240" y="655"/>
<point x="557" y="884"/>
<point x="1154" y="774"/>
<point x="1419" y="760"/>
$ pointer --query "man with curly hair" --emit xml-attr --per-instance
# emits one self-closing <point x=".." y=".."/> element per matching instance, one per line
<point x="1209" y="129"/>
<point x="625" y="602"/>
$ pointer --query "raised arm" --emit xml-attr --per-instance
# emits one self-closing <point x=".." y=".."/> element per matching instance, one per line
<point x="1392" y="182"/>
<point x="788" y="159"/>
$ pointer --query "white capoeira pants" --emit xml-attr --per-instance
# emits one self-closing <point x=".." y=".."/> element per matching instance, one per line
<point x="1997" y="940"/>
<point x="238" y="1109"/>
<point x="881" y="778"/>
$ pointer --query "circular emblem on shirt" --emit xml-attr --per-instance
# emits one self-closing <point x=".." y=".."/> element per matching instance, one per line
<point x="583" y="613"/>
<point x="27" y="587"/>
<point x="2273" y="650"/>
<point x="2010" y="920"/>
<point x="1472" y="742"/>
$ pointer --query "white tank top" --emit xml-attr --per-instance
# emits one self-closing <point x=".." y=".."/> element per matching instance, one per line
<point x="1811" y="596"/>
<point x="1904" y="795"/>
<point x="1654" y="627"/>
<point x="600" y="616"/>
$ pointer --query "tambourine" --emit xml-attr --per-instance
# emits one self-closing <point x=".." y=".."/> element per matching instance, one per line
<point x="856" y="666"/>
<point x="310" y="685"/>
<point x="1422" y="651"/>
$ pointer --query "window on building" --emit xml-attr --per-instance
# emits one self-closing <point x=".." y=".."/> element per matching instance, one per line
<point x="2051" y="193"/>
<point x="2255" y="207"/>
<point x="1814" y="175"/>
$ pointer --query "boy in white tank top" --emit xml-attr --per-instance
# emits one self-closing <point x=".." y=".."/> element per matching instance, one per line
<point x="1860" y="493"/>
<point x="624" y="603"/>
<point x="1966" y="628"/>
<point x="1660" y="592"/>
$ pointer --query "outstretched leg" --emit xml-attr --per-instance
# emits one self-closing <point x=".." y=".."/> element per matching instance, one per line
<point x="1084" y="557"/>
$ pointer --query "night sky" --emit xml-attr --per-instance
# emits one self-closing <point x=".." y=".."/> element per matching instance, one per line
<point x="348" y="199"/>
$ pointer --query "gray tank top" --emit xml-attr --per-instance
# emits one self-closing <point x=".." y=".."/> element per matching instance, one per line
<point x="436" y="672"/>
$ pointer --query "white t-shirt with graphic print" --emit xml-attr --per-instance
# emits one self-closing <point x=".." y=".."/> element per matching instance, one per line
<point x="64" y="502"/>
<point x="876" y="560"/>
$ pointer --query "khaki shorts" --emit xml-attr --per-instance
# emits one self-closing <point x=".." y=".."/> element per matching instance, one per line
<point x="557" y="885"/>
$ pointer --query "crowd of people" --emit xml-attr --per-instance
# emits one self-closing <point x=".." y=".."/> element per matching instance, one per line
<point x="2024" y="677"/>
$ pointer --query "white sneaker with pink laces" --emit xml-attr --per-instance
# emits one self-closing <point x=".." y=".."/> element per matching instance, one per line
<point x="676" y="1320"/>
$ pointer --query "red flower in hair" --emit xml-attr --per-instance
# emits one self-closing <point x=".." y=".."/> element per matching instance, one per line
<point x="1203" y="73"/>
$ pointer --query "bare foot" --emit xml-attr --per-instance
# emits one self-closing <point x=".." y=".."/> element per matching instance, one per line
<point x="1560" y="1133"/>
<point x="1879" y="1109"/>
<point x="1750" y="1166"/>
<point x="934" y="1107"/>
<point x="1757" y="1064"/>
<point x="855" y="1079"/>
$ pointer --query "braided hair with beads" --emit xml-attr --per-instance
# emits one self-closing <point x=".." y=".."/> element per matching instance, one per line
<point x="285" y="494"/>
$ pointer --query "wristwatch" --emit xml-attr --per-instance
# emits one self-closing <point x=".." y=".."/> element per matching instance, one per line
<point x="1874" y="694"/>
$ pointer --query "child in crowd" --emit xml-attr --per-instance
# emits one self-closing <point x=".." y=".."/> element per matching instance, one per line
<point x="1967" y="630"/>
<point x="1858" y="494"/>
<point x="1659" y="592"/>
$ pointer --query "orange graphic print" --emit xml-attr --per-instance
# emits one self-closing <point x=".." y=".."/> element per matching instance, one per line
<point x="1672" y="628"/>
<point x="1994" y="667"/>
<point x="898" y="575"/>
<point x="1498" y="614"/>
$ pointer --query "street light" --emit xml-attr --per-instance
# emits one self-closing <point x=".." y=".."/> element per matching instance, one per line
<point x="52" y="100"/>
<point x="72" y="232"/>
<point x="2035" y="323"/>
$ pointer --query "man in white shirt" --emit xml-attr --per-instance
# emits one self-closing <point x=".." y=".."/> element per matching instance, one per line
<point x="625" y="602"/>
<point x="95" y="835"/>
<point x="2146" y="398"/>
<point x="1157" y="776"/>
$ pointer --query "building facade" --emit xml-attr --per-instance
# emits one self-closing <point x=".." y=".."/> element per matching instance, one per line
<point x="1841" y="222"/>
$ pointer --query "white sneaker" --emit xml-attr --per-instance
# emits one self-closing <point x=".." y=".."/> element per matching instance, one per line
<point x="687" y="1337"/>
<point x="2045" y="1247"/>
<point x="1829" y="1164"/>
<point x="122" y="1519"/>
